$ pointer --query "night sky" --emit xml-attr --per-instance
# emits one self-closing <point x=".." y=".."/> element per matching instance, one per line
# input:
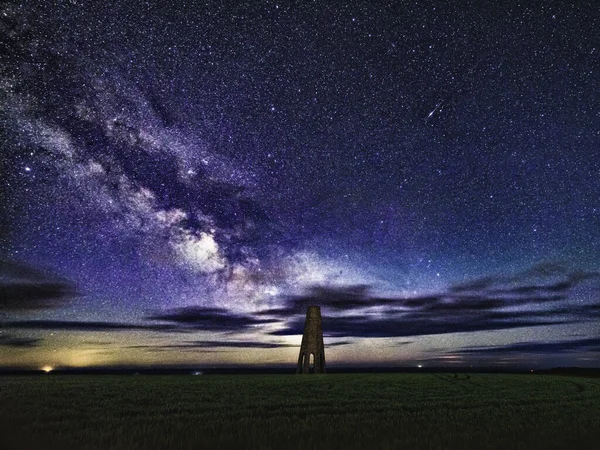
<point x="179" y="182"/>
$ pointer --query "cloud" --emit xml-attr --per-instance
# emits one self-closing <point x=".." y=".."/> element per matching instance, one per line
<point x="216" y="344"/>
<point x="345" y="298"/>
<point x="10" y="270"/>
<point x="18" y="342"/>
<point x="177" y="320"/>
<point x="23" y="287"/>
<point x="543" y="284"/>
<point x="209" y="319"/>
<point x="73" y="325"/>
<point x="247" y="344"/>
<point x="414" y="325"/>
<point x="212" y="345"/>
<point x="239" y="344"/>
<point x="532" y="298"/>
<point x="545" y="278"/>
<point x="24" y="296"/>
<point x="354" y="311"/>
<point x="565" y="346"/>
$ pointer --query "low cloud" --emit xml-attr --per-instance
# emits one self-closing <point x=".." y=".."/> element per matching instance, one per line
<point x="19" y="342"/>
<point x="23" y="288"/>
<point x="565" y="346"/>
<point x="343" y="298"/>
<point x="74" y="325"/>
<point x="535" y="297"/>
<point x="209" y="319"/>
<point x="415" y="325"/>
<point x="177" y="320"/>
<point x="545" y="278"/>
<point x="212" y="345"/>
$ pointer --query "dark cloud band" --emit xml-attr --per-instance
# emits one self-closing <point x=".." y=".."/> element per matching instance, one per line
<point x="23" y="287"/>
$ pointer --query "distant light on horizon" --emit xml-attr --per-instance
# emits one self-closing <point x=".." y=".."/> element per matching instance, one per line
<point x="47" y="369"/>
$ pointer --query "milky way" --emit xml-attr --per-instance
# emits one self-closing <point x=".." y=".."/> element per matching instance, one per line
<point x="183" y="181"/>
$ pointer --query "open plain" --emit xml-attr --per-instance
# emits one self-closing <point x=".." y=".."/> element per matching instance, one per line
<point x="413" y="411"/>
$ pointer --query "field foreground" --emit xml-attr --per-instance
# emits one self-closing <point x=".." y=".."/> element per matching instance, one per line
<point x="358" y="411"/>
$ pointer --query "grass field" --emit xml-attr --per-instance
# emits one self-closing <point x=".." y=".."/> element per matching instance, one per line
<point x="370" y="411"/>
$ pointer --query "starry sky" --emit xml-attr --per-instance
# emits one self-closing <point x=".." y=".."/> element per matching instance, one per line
<point x="179" y="182"/>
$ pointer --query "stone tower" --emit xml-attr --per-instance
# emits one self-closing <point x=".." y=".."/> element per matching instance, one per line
<point x="312" y="350"/>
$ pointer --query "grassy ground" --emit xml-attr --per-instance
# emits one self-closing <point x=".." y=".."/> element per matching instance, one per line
<point x="370" y="411"/>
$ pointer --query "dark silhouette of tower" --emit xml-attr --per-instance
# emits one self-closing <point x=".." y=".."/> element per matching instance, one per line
<point x="312" y="350"/>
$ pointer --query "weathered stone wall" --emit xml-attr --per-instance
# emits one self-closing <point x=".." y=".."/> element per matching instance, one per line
<point x="312" y="343"/>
